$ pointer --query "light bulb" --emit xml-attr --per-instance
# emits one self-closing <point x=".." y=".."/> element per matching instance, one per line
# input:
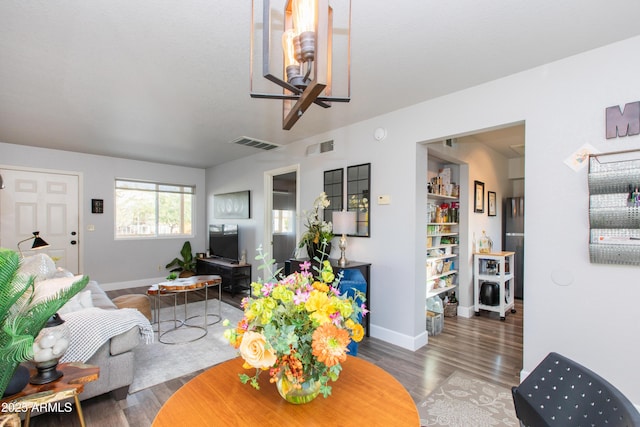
<point x="304" y="15"/>
<point x="288" y="47"/>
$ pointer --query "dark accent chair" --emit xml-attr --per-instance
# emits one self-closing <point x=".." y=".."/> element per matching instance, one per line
<point x="561" y="392"/>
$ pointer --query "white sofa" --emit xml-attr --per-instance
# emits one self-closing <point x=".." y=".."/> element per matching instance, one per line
<point x="110" y="344"/>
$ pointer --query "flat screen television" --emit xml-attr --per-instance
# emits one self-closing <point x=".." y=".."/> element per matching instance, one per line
<point x="223" y="241"/>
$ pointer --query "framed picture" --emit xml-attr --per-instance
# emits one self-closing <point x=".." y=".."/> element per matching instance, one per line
<point x="232" y="205"/>
<point x="478" y="196"/>
<point x="491" y="199"/>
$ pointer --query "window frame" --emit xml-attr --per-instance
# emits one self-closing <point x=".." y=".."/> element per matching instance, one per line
<point x="157" y="189"/>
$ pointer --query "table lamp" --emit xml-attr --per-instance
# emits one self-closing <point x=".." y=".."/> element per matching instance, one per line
<point x="38" y="242"/>
<point x="344" y="223"/>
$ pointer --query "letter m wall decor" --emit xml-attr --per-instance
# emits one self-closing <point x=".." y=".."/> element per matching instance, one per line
<point x="624" y="123"/>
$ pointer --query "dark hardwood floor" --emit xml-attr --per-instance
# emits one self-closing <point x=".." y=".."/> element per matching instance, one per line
<point x="481" y="346"/>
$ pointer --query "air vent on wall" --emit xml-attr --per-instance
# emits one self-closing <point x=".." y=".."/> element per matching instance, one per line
<point x="319" y="148"/>
<point x="255" y="143"/>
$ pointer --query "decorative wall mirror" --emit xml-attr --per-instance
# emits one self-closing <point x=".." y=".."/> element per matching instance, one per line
<point x="358" y="196"/>
<point x="333" y="187"/>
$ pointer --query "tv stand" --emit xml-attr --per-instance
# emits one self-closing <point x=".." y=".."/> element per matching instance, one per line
<point x="236" y="278"/>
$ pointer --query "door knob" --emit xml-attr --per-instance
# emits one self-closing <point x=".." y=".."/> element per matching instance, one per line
<point x="73" y="233"/>
<point x="73" y="242"/>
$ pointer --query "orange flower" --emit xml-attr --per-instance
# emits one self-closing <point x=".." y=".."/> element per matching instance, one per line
<point x="322" y="287"/>
<point x="329" y="344"/>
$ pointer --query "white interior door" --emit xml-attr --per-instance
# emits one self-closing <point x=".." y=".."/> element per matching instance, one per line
<point x="45" y="202"/>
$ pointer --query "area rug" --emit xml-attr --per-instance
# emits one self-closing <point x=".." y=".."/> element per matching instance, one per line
<point x="464" y="401"/>
<point x="156" y="363"/>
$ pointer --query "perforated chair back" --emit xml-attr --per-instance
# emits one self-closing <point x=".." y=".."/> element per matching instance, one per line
<point x="561" y="392"/>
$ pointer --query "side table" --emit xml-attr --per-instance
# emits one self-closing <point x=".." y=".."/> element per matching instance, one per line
<point x="71" y="384"/>
<point x="185" y="286"/>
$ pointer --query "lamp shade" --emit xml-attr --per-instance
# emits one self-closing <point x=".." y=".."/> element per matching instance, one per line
<point x="38" y="242"/>
<point x="344" y="222"/>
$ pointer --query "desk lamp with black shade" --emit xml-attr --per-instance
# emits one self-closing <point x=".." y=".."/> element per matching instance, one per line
<point x="53" y="340"/>
<point x="38" y="242"/>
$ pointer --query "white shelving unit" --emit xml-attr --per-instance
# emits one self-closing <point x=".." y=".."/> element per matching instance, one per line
<point x="503" y="276"/>
<point x="441" y="256"/>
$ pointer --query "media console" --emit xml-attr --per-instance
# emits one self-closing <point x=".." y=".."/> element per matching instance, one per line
<point x="236" y="277"/>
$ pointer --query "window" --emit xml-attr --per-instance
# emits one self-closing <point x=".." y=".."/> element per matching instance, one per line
<point x="148" y="209"/>
<point x="282" y="222"/>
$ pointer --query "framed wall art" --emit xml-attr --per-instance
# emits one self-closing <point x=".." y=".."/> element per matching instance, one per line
<point x="232" y="205"/>
<point x="478" y="196"/>
<point x="491" y="203"/>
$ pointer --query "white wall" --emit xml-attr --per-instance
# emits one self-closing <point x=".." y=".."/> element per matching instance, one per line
<point x="114" y="263"/>
<point x="590" y="318"/>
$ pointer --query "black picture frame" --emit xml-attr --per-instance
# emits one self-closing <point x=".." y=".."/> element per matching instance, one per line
<point x="478" y="196"/>
<point x="97" y="206"/>
<point x="491" y="203"/>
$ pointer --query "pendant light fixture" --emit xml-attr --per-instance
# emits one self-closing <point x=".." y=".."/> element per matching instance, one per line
<point x="314" y="38"/>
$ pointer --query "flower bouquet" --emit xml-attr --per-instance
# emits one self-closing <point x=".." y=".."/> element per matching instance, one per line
<point x="319" y="232"/>
<point x="298" y="329"/>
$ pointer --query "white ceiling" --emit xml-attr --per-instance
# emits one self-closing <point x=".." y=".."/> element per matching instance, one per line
<point x="168" y="80"/>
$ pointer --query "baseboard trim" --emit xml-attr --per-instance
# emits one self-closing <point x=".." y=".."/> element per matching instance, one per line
<point x="466" y="312"/>
<point x="401" y="340"/>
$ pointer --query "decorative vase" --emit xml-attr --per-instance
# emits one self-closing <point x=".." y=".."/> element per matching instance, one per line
<point x="290" y="392"/>
<point x="48" y="347"/>
<point x="314" y="250"/>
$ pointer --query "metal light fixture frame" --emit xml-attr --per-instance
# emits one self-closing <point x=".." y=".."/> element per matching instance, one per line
<point x="319" y="91"/>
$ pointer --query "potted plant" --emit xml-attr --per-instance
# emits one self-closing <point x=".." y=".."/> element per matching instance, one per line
<point x="318" y="230"/>
<point x="185" y="266"/>
<point x="20" y="318"/>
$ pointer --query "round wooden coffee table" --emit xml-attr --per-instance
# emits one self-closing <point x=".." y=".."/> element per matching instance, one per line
<point x="365" y="395"/>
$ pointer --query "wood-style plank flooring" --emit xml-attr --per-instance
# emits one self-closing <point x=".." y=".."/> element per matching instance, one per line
<point x="482" y="346"/>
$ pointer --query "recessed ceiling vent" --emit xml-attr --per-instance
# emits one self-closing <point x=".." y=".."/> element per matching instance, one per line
<point x="255" y="143"/>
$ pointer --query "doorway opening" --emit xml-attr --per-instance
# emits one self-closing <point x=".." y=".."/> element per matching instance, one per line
<point x="281" y="214"/>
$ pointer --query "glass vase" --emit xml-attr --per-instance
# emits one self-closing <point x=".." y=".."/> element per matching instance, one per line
<point x="305" y="393"/>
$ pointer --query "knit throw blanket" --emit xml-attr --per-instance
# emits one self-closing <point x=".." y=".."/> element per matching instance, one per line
<point x="92" y="327"/>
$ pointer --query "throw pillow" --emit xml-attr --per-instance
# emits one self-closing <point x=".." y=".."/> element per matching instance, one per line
<point x="48" y="288"/>
<point x="80" y="301"/>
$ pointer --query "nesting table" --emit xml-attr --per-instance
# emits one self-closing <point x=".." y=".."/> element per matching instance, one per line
<point x="184" y="286"/>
